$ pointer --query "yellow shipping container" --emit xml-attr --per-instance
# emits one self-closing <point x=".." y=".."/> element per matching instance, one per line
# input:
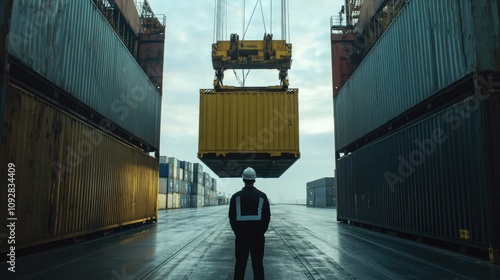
<point x="69" y="178"/>
<point x="257" y="127"/>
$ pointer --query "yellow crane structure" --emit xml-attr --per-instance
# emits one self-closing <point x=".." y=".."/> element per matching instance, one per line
<point x="251" y="54"/>
<point x="249" y="126"/>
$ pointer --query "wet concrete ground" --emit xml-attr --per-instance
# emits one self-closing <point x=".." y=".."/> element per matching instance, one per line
<point x="301" y="243"/>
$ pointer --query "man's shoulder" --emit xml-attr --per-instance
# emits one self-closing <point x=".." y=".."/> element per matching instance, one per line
<point x="261" y="193"/>
<point x="238" y="193"/>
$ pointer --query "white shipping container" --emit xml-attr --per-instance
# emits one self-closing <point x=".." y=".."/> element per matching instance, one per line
<point x="162" y="188"/>
<point x="162" y="201"/>
<point x="173" y="201"/>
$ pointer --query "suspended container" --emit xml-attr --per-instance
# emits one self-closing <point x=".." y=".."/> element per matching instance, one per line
<point x="251" y="126"/>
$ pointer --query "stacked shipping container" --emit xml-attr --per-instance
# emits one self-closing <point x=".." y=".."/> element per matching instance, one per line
<point x="322" y="193"/>
<point x="184" y="184"/>
<point x="421" y="156"/>
<point x="198" y="189"/>
<point x="80" y="151"/>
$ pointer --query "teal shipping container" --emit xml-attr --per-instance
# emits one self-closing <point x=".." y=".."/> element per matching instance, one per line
<point x="428" y="47"/>
<point x="72" y="45"/>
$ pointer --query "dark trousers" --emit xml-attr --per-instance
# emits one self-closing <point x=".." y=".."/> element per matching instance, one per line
<point x="255" y="246"/>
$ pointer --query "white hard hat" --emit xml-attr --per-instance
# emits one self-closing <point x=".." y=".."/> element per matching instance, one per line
<point x="249" y="174"/>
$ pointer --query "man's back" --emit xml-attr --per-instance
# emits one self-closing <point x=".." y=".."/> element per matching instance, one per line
<point x="249" y="211"/>
<point x="249" y="216"/>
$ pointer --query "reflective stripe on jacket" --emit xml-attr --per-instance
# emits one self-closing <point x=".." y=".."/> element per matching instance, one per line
<point x="249" y="211"/>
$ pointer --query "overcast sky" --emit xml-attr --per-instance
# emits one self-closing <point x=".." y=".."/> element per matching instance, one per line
<point x="188" y="68"/>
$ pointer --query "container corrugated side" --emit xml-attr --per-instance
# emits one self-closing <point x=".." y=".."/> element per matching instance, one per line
<point x="71" y="179"/>
<point x="430" y="45"/>
<point x="430" y="179"/>
<point x="173" y="201"/>
<point x="320" y="197"/>
<point x="249" y="126"/>
<point x="72" y="45"/>
<point x="197" y="200"/>
<point x="162" y="201"/>
<point x="162" y="187"/>
<point x="310" y="196"/>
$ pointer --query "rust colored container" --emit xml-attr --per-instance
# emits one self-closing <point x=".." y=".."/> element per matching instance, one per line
<point x="343" y="67"/>
<point x="151" y="48"/>
<point x="241" y="127"/>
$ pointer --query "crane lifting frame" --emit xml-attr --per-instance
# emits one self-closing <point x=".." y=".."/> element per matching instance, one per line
<point x="252" y="54"/>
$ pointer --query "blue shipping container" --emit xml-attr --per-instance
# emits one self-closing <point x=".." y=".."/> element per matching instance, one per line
<point x="164" y="170"/>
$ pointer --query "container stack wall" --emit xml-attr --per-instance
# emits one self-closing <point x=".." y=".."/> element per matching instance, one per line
<point x="187" y="184"/>
<point x="424" y="181"/>
<point x="66" y="168"/>
<point x="321" y="193"/>
<point x="171" y="172"/>
<point x="320" y="196"/>
<point x="85" y="68"/>
<point x="162" y="192"/>
<point x="197" y="201"/>
<point x="81" y="152"/>
<point x="429" y="55"/>
<point x="310" y="194"/>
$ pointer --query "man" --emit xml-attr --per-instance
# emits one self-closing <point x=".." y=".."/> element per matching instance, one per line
<point x="249" y="215"/>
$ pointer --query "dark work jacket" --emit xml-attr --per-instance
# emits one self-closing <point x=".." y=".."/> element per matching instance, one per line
<point x="247" y="219"/>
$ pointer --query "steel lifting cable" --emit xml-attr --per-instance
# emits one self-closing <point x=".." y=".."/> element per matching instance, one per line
<point x="251" y="16"/>
<point x="220" y="23"/>
<point x="215" y="23"/>
<point x="285" y="22"/>
<point x="271" y="18"/>
<point x="283" y="19"/>
<point x="263" y="18"/>
<point x="288" y="21"/>
<point x="244" y="22"/>
<point x="225" y="19"/>
<point x="237" y="78"/>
